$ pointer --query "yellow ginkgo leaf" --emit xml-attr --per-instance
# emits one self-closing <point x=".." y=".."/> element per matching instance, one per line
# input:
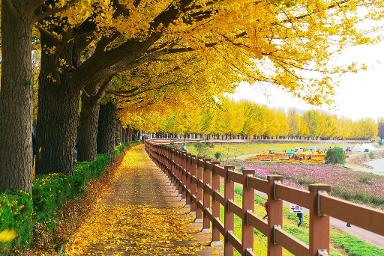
<point x="7" y="235"/>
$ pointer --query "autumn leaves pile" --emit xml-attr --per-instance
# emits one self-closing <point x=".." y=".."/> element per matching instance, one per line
<point x="133" y="217"/>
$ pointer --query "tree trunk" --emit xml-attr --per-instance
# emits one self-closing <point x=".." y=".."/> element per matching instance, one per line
<point x="56" y="128"/>
<point x="87" y="137"/>
<point x="89" y="119"/>
<point x="127" y="135"/>
<point x="118" y="132"/>
<point x="15" y="99"/>
<point x="57" y="113"/>
<point x="106" y="130"/>
<point x="123" y="135"/>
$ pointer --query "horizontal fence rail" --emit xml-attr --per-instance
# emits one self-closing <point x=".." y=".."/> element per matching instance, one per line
<point x="199" y="180"/>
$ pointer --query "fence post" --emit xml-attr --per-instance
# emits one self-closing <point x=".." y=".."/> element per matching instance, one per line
<point x="319" y="224"/>
<point x="215" y="205"/>
<point x="183" y="176"/>
<point x="248" y="206"/>
<point x="199" y="192"/>
<point x="229" y="187"/>
<point x="174" y="167"/>
<point x="206" y="196"/>
<point x="188" y="180"/>
<point x="179" y="173"/>
<point x="193" y="171"/>
<point x="275" y="215"/>
<point x="169" y="163"/>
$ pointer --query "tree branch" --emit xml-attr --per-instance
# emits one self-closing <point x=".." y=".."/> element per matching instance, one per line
<point x="52" y="11"/>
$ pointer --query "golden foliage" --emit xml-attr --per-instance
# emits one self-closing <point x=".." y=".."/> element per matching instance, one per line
<point x="119" y="226"/>
<point x="247" y="118"/>
<point x="289" y="43"/>
<point x="7" y="235"/>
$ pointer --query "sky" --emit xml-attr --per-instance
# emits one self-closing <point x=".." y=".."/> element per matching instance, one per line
<point x="358" y="95"/>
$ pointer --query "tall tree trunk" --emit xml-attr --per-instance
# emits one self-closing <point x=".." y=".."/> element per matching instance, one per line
<point x="15" y="99"/>
<point x="58" y="111"/>
<point x="56" y="128"/>
<point x="124" y="135"/>
<point x="118" y="132"/>
<point x="106" y="130"/>
<point x="89" y="120"/>
<point x="87" y="137"/>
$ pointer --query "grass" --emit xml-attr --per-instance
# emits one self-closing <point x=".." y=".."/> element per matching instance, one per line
<point x="341" y="242"/>
<point x="353" y="246"/>
<point x="232" y="151"/>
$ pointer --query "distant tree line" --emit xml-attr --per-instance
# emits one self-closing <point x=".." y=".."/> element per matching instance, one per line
<point x="250" y="120"/>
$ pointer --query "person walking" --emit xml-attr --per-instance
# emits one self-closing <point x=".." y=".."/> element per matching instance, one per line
<point x="301" y="218"/>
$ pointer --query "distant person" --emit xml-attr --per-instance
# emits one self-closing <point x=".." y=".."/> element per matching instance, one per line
<point x="301" y="218"/>
<point x="266" y="209"/>
<point x="184" y="147"/>
<point x="348" y="224"/>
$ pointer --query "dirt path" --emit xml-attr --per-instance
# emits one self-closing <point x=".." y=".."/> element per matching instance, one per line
<point x="359" y="168"/>
<point x="141" y="214"/>
<point x="360" y="233"/>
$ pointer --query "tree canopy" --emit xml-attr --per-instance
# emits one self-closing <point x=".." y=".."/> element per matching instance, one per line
<point x="285" y="42"/>
<point x="143" y="54"/>
<point x="226" y="117"/>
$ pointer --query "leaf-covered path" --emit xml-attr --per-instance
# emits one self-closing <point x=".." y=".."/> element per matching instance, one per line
<point x="140" y="214"/>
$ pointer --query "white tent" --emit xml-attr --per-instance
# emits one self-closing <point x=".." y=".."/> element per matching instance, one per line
<point x="363" y="148"/>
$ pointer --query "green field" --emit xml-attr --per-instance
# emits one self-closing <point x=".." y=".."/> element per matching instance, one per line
<point x="231" y="151"/>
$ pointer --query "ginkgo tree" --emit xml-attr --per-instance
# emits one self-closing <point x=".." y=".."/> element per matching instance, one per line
<point x="165" y="80"/>
<point x="107" y="37"/>
<point x="85" y="42"/>
<point x="248" y="119"/>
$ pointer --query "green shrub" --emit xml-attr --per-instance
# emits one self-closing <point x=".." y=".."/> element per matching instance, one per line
<point x="16" y="214"/>
<point x="218" y="155"/>
<point x="201" y="148"/>
<point x="335" y="156"/>
<point x="119" y="149"/>
<point x="49" y="193"/>
<point x="86" y="171"/>
<point x="305" y="182"/>
<point x="371" y="155"/>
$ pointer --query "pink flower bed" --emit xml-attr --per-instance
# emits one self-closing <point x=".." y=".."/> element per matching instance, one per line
<point x="357" y="186"/>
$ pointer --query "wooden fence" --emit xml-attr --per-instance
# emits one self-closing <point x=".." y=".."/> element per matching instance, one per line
<point x="199" y="180"/>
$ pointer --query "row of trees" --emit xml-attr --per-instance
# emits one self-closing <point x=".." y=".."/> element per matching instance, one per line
<point x="137" y="53"/>
<point x="227" y="117"/>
